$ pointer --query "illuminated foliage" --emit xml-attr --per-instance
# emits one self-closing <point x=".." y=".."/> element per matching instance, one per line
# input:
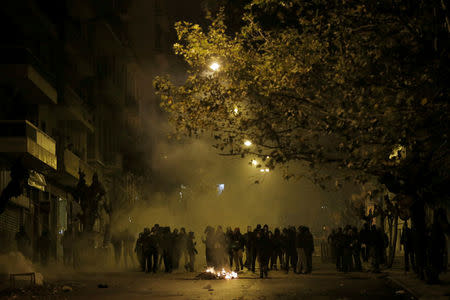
<point x="336" y="85"/>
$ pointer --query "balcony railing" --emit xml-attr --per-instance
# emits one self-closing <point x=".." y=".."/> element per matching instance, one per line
<point x="23" y="139"/>
<point x="73" y="164"/>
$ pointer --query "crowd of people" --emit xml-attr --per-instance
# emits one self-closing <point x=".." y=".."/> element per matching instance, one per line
<point x="161" y="245"/>
<point x="291" y="247"/>
<point x="349" y="246"/>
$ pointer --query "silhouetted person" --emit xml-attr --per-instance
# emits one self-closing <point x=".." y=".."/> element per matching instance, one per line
<point x="248" y="240"/>
<point x="182" y="245"/>
<point x="209" y="242"/>
<point x="175" y="247"/>
<point x="263" y="251"/>
<point x="277" y="251"/>
<point x="237" y="248"/>
<point x="150" y="252"/>
<point x="139" y="249"/>
<point x="255" y="242"/>
<point x="309" y="249"/>
<point x="190" y="247"/>
<point x="291" y="249"/>
<point x="300" y="244"/>
<point x="356" y="248"/>
<point x="166" y="248"/>
<point x="364" y="236"/>
<point x="406" y="240"/>
<point x="376" y="248"/>
<point x="339" y="246"/>
<point x="220" y="253"/>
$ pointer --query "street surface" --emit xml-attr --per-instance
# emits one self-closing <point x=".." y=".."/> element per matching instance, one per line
<point x="323" y="283"/>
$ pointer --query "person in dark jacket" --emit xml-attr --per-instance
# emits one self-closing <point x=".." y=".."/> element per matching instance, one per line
<point x="190" y="246"/>
<point x="309" y="249"/>
<point x="209" y="242"/>
<point x="237" y="248"/>
<point x="139" y="250"/>
<point x="255" y="243"/>
<point x="175" y="248"/>
<point x="376" y="248"/>
<point x="339" y="246"/>
<point x="277" y="251"/>
<point x="356" y="248"/>
<point x="291" y="251"/>
<point x="263" y="251"/>
<point x="150" y="252"/>
<point x="300" y="243"/>
<point x="407" y="243"/>
<point x="364" y="236"/>
<point x="347" y="262"/>
<point x="248" y="243"/>
<point x="166" y="248"/>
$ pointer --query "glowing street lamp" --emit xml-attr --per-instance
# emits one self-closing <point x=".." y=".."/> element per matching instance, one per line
<point x="214" y="66"/>
<point x="247" y="143"/>
<point x="267" y="170"/>
<point x="254" y="162"/>
<point x="262" y="170"/>
<point x="235" y="110"/>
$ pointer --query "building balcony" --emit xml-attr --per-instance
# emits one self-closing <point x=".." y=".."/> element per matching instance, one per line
<point x="70" y="166"/>
<point x="20" y="68"/>
<point x="21" y="139"/>
<point x="72" y="108"/>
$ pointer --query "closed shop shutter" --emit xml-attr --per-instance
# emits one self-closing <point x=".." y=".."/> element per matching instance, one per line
<point x="10" y="220"/>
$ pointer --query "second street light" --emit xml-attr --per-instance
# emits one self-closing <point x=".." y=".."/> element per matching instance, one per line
<point x="214" y="66"/>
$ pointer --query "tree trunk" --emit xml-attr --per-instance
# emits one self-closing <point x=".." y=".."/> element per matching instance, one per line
<point x="393" y="245"/>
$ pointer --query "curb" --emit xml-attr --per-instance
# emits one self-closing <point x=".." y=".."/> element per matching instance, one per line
<point x="403" y="286"/>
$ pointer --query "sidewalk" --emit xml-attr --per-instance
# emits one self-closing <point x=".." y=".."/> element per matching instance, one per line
<point x="418" y="288"/>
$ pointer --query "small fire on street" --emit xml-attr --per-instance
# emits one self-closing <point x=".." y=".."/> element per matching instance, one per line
<point x="222" y="274"/>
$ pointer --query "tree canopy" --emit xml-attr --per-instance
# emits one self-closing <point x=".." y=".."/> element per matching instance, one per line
<point x="360" y="87"/>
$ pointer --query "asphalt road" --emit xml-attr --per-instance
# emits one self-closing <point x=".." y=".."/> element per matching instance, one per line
<point x="323" y="283"/>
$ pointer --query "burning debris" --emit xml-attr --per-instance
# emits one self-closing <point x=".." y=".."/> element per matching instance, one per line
<point x="211" y="274"/>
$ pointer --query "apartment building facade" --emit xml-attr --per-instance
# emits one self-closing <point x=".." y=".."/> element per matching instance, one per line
<point x="69" y="104"/>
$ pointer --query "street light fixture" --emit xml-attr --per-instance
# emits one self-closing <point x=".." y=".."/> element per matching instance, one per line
<point x="254" y="162"/>
<point x="247" y="143"/>
<point x="214" y="66"/>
